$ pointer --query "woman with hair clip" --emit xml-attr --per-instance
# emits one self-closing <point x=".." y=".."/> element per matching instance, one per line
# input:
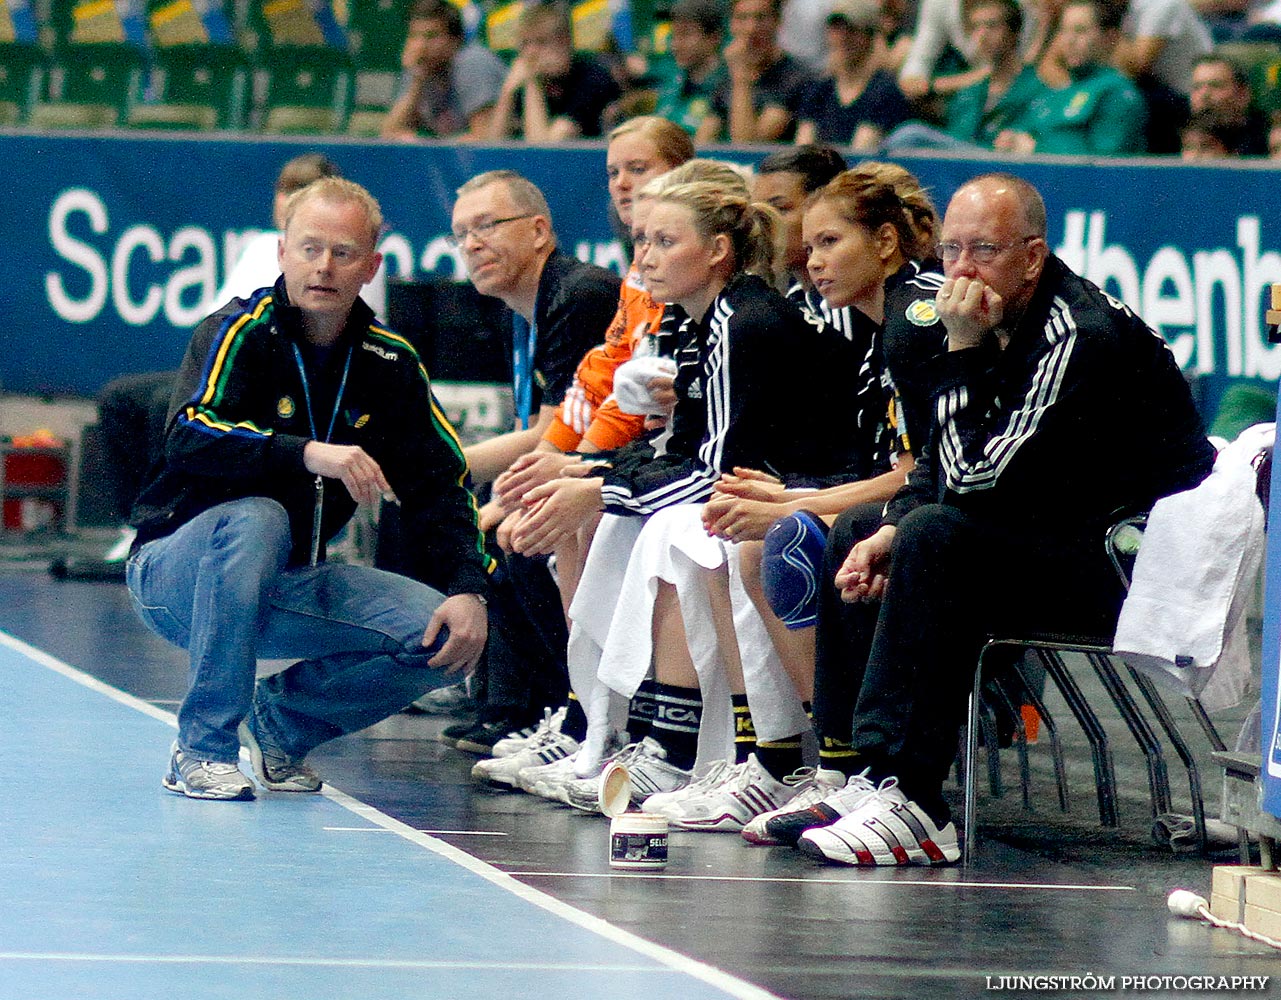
<point x="758" y="385"/>
<point x="865" y="234"/>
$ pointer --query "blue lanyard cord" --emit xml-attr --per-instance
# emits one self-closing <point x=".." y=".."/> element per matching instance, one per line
<point x="306" y="394"/>
<point x="524" y="342"/>
<point x="319" y="508"/>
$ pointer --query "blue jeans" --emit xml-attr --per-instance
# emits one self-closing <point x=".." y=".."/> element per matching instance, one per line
<point x="219" y="588"/>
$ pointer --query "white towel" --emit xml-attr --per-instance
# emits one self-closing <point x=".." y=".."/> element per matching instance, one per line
<point x="1183" y="620"/>
<point x="590" y="615"/>
<point x="672" y="547"/>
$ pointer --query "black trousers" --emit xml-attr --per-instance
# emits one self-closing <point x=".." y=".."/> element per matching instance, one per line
<point x="893" y="677"/>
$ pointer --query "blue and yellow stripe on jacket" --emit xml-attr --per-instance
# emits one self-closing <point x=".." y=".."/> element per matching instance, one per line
<point x="201" y="413"/>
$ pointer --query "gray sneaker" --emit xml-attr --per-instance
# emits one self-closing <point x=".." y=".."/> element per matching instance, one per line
<point x="205" y="779"/>
<point x="274" y="768"/>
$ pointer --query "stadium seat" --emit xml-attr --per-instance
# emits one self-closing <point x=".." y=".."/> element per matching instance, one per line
<point x="376" y="36"/>
<point x="22" y="69"/>
<point x="307" y="90"/>
<point x="195" y="87"/>
<point x="89" y="85"/>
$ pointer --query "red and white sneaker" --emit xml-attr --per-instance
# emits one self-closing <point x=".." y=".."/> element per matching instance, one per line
<point x="810" y="786"/>
<point x="887" y="828"/>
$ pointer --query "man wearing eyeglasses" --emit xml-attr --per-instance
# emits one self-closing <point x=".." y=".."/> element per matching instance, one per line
<point x="1045" y="389"/>
<point x="560" y="305"/>
<point x="294" y="405"/>
<point x="560" y="308"/>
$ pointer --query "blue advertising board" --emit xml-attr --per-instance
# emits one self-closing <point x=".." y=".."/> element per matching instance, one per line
<point x="113" y="243"/>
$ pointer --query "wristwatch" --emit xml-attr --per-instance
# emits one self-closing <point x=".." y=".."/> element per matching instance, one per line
<point x="484" y="601"/>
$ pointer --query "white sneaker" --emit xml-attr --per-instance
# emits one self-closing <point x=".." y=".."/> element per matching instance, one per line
<point x="888" y="828"/>
<point x="515" y="742"/>
<point x="810" y="786"/>
<point x="546" y="747"/>
<point x="725" y="805"/>
<point x="788" y="825"/>
<point x="659" y="802"/>
<point x="647" y="768"/>
<point x="548" y="780"/>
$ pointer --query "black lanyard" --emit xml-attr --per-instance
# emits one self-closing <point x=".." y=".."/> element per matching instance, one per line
<point x="311" y="421"/>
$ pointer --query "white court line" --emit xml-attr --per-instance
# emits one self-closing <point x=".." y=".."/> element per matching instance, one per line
<point x="436" y="833"/>
<point x="899" y="882"/>
<point x="344" y="963"/>
<point x="737" y="988"/>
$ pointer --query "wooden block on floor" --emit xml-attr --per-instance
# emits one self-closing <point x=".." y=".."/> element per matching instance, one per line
<point x="1264" y="890"/>
<point x="1261" y="921"/>
<point x="1228" y="890"/>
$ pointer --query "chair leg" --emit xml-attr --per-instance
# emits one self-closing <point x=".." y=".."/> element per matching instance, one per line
<point x="1207" y="725"/>
<point x="987" y="726"/>
<point x="1158" y="775"/>
<point x="1162" y="712"/>
<point x="1020" y="741"/>
<point x="1052" y="733"/>
<point x="1104" y="771"/>
<point x="969" y="785"/>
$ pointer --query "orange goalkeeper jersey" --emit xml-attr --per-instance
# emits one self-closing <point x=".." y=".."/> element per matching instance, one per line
<point x="588" y="409"/>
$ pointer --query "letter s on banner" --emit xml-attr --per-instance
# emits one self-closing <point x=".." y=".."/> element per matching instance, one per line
<point x="77" y="252"/>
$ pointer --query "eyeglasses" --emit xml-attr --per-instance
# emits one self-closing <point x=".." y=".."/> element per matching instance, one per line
<point x="482" y="230"/>
<point x="980" y="253"/>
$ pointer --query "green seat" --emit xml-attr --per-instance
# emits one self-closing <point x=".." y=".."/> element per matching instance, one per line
<point x="376" y="33"/>
<point x="195" y="87"/>
<point x="22" y="69"/>
<point x="89" y="86"/>
<point x="308" y="90"/>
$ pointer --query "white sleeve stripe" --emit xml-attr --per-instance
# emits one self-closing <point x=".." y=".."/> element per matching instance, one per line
<point x="962" y="477"/>
<point x="696" y="486"/>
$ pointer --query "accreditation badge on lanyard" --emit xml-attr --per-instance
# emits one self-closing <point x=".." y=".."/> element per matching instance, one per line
<point x="524" y="341"/>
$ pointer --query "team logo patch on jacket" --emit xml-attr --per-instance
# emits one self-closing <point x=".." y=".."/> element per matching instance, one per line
<point x="922" y="312"/>
<point x="285" y="407"/>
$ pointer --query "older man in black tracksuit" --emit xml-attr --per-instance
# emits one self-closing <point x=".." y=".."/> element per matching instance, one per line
<point x="1000" y="526"/>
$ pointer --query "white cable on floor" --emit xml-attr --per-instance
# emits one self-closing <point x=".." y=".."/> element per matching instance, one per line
<point x="1186" y="903"/>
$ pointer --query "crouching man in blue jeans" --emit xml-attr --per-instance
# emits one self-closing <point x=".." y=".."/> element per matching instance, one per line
<point x="292" y="407"/>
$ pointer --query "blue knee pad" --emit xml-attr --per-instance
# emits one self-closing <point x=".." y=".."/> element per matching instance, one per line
<point x="792" y="566"/>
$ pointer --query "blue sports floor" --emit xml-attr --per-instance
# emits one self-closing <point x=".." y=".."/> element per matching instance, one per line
<point x="114" y="889"/>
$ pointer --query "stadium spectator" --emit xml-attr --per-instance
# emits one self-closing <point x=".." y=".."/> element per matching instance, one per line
<point x="551" y="92"/>
<point x="802" y="28"/>
<point x="1222" y="85"/>
<point x="1039" y="363"/>
<point x="765" y="91"/>
<point x="1100" y="113"/>
<point x="1209" y="135"/>
<point x="938" y="63"/>
<point x="695" y="42"/>
<point x="448" y="88"/>
<point x="1161" y="40"/>
<point x="979" y="113"/>
<point x="858" y="103"/>
<point x="259" y="472"/>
